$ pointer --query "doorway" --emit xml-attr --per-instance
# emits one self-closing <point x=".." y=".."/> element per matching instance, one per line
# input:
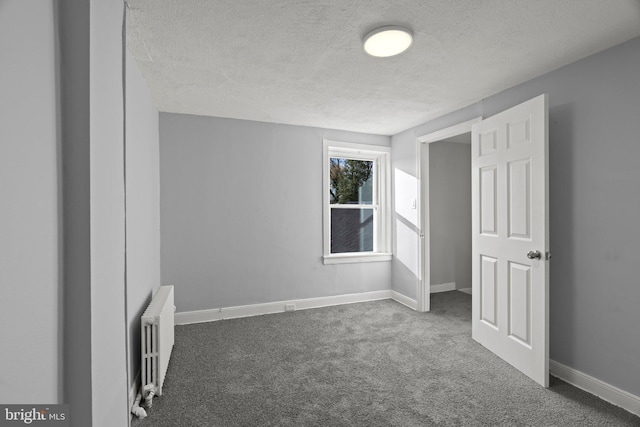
<point x="444" y="165"/>
<point x="449" y="182"/>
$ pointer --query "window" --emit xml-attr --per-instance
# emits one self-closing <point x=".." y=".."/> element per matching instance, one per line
<point x="356" y="203"/>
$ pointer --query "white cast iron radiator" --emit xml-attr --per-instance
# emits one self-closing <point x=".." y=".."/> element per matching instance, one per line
<point x="157" y="338"/>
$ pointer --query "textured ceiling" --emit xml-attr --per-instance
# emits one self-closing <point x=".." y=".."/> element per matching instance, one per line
<point x="301" y="61"/>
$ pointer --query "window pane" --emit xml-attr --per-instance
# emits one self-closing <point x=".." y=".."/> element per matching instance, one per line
<point x="351" y="230"/>
<point x="351" y="181"/>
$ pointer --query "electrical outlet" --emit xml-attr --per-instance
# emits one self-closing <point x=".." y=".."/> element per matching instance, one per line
<point x="289" y="307"/>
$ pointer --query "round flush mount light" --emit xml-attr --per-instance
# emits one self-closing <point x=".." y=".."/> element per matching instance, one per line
<point x="387" y="41"/>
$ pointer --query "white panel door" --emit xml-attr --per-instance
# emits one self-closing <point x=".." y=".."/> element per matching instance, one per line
<point x="510" y="236"/>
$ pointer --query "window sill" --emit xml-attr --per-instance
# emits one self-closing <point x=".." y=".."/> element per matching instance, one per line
<point x="356" y="258"/>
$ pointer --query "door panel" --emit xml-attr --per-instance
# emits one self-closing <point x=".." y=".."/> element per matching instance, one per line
<point x="510" y="219"/>
<point x="488" y="292"/>
<point x="519" y="209"/>
<point x="488" y="199"/>
<point x="488" y="143"/>
<point x="518" y="133"/>
<point x="520" y="303"/>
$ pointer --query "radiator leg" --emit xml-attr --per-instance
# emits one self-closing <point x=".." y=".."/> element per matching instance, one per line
<point x="136" y="409"/>
<point x="148" y="391"/>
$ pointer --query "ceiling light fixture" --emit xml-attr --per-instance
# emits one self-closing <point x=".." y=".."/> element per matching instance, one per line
<point x="387" y="41"/>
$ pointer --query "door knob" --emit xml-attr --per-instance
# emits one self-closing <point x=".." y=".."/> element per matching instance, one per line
<point x="534" y="255"/>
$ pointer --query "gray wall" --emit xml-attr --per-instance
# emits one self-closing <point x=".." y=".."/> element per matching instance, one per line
<point x="594" y="207"/>
<point x="73" y="27"/>
<point x="143" y="204"/>
<point x="92" y="148"/>
<point x="108" y="344"/>
<point x="450" y="213"/>
<point x="29" y="241"/>
<point x="241" y="214"/>
<point x="97" y="283"/>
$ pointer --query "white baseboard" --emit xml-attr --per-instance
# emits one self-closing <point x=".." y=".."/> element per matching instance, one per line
<point x="188" y="317"/>
<point x="465" y="290"/>
<point x="404" y="300"/>
<point x="443" y="287"/>
<point x="596" y="387"/>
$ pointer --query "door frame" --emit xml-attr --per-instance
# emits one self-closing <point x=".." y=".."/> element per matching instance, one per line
<point x="422" y="171"/>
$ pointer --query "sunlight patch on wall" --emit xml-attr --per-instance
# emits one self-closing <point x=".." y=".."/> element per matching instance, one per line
<point x="407" y="247"/>
<point x="406" y="196"/>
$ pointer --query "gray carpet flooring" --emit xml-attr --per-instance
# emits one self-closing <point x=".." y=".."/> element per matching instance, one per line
<point x="369" y="364"/>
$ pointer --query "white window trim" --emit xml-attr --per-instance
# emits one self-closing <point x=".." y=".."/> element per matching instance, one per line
<point x="382" y="245"/>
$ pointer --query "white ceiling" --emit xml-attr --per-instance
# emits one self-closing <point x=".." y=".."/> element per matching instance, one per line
<point x="301" y="61"/>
